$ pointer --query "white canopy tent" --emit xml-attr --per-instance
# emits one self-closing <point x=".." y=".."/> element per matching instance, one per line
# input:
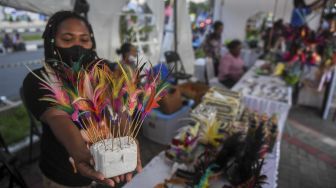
<point x="104" y="16"/>
<point x="234" y="14"/>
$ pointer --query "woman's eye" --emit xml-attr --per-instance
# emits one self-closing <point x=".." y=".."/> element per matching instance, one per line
<point x="67" y="39"/>
<point x="85" y="40"/>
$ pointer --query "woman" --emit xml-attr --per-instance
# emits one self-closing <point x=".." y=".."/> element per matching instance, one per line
<point x="231" y="66"/>
<point x="213" y="43"/>
<point x="68" y="37"/>
<point x="128" y="54"/>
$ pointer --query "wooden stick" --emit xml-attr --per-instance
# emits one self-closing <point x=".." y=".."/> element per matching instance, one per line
<point x="119" y="132"/>
<point x="88" y="135"/>
<point x="90" y="132"/>
<point x="126" y="125"/>
<point x="110" y="131"/>
<point x="136" y="124"/>
<point x="96" y="130"/>
<point x="112" y="137"/>
<point x="131" y="125"/>
<point x="86" y="130"/>
<point x="140" y="125"/>
<point x="129" y="128"/>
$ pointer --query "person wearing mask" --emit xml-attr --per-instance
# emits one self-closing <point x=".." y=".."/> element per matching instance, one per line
<point x="231" y="66"/>
<point x="128" y="53"/>
<point x="68" y="37"/>
<point x="213" y="43"/>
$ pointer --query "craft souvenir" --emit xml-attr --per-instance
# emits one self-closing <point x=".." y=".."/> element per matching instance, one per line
<point x="110" y="107"/>
<point x="227" y="103"/>
<point x="273" y="129"/>
<point x="183" y="144"/>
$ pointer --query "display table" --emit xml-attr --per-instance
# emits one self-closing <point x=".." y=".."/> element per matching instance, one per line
<point x="159" y="169"/>
<point x="260" y="94"/>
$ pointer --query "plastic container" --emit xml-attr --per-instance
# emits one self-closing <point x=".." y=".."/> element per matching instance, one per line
<point x="161" y="128"/>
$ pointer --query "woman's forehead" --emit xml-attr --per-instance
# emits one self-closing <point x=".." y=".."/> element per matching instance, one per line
<point x="72" y="25"/>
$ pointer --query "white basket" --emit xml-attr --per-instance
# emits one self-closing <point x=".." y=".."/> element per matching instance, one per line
<point x="115" y="157"/>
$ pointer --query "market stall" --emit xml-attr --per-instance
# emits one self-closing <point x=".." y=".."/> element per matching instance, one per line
<point x="160" y="169"/>
<point x="267" y="94"/>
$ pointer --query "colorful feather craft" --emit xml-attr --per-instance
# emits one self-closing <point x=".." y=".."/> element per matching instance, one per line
<point x="212" y="131"/>
<point x="103" y="101"/>
<point x="59" y="97"/>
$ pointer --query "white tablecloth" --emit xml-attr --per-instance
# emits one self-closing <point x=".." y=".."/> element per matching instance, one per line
<point x="263" y="103"/>
<point x="158" y="169"/>
<point x="270" y="88"/>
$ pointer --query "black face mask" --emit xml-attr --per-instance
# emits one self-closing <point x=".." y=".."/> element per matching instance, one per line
<point x="76" y="53"/>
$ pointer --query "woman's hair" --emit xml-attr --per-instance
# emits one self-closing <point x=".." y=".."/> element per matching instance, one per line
<point x="217" y="25"/>
<point x="125" y="48"/>
<point x="50" y="31"/>
<point x="233" y="44"/>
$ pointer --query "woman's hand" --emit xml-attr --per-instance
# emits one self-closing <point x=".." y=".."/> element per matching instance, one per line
<point x="70" y="137"/>
<point x="97" y="176"/>
<point x="86" y="168"/>
<point x="138" y="167"/>
<point x="128" y="177"/>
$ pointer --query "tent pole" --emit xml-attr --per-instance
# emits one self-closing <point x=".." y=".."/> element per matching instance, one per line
<point x="269" y="45"/>
<point x="324" y="6"/>
<point x="175" y="25"/>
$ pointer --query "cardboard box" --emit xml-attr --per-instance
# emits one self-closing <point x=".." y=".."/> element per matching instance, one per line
<point x="194" y="91"/>
<point x="172" y="102"/>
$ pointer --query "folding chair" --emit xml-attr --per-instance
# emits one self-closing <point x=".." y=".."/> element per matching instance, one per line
<point x="3" y="144"/>
<point x="7" y="165"/>
<point x="174" y="62"/>
<point x="33" y="125"/>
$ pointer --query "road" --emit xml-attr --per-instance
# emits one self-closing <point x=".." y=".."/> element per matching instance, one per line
<point x="13" y="71"/>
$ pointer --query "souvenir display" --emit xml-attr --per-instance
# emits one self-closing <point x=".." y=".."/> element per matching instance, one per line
<point x="215" y="147"/>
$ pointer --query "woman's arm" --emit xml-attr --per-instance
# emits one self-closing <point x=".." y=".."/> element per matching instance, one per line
<point x="70" y="137"/>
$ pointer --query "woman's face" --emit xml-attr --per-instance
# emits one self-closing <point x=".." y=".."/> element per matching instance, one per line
<point x="73" y="32"/>
<point x="236" y="51"/>
<point x="220" y="29"/>
<point x="133" y="51"/>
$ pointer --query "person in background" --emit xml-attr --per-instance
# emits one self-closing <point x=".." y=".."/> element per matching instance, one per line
<point x="213" y="43"/>
<point x="302" y="10"/>
<point x="231" y="66"/>
<point x="128" y="54"/>
<point x="273" y="36"/>
<point x="7" y="42"/>
<point x="68" y="38"/>
<point x="18" y="44"/>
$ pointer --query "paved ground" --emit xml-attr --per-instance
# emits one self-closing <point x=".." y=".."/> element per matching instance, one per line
<point x="308" y="153"/>
<point x="13" y="71"/>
